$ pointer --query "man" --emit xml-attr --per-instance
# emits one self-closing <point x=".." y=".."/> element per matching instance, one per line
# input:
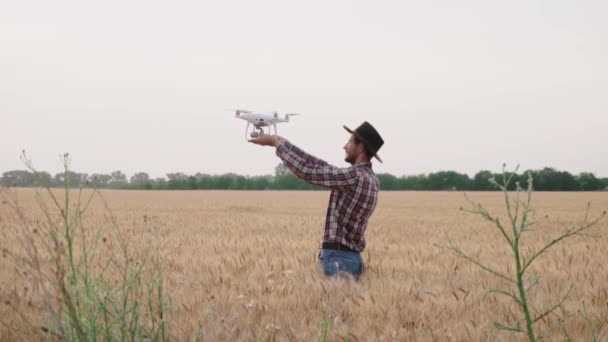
<point x="353" y="198"/>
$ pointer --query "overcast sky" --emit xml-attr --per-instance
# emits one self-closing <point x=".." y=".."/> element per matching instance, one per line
<point x="450" y="85"/>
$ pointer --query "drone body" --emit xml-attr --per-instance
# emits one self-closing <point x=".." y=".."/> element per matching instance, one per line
<point x="260" y="120"/>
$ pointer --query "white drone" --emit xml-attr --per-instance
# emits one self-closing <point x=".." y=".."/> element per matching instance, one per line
<point x="260" y="120"/>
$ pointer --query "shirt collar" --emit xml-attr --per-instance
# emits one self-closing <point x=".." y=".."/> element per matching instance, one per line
<point x="368" y="165"/>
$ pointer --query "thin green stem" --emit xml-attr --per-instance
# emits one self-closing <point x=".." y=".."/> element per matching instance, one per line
<point x="502" y="326"/>
<point x="554" y="307"/>
<point x="460" y="254"/>
<point x="507" y="294"/>
<point x="568" y="233"/>
<point x="522" y="293"/>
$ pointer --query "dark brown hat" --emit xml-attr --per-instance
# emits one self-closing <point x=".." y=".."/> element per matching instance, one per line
<point x="370" y="138"/>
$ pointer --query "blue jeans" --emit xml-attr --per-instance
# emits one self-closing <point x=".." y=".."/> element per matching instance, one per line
<point x="334" y="261"/>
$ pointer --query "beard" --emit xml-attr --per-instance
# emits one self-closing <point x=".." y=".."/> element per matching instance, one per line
<point x="349" y="158"/>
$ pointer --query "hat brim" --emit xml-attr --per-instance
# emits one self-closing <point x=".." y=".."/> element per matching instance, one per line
<point x="364" y="142"/>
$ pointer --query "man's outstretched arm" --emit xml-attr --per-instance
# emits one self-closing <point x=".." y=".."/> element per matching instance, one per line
<point x="307" y="167"/>
<point x="276" y="141"/>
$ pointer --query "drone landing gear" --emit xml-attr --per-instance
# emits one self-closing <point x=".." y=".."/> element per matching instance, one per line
<point x="255" y="134"/>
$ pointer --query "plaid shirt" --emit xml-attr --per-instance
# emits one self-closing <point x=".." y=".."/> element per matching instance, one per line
<point x="354" y="194"/>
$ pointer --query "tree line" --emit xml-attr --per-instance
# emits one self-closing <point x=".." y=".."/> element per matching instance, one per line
<point x="546" y="179"/>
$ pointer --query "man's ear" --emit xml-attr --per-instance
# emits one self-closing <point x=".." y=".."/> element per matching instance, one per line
<point x="360" y="148"/>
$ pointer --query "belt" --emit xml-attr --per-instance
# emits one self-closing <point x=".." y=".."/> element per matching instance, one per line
<point x="336" y="246"/>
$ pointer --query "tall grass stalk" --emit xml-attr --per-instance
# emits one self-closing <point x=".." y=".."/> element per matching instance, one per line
<point x="325" y="329"/>
<point x="92" y="290"/>
<point x="520" y="284"/>
<point x="595" y="324"/>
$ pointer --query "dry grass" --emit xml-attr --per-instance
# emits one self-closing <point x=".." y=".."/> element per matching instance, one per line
<point x="241" y="266"/>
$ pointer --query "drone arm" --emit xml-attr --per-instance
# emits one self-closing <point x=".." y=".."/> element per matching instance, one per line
<point x="288" y="115"/>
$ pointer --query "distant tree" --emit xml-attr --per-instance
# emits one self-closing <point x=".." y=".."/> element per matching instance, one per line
<point x="588" y="182"/>
<point x="550" y="179"/>
<point x="177" y="181"/>
<point x="448" y="180"/>
<point x="206" y="182"/>
<point x="284" y="179"/>
<point x="512" y="186"/>
<point x="223" y="182"/>
<point x="522" y="179"/>
<point x="176" y="176"/>
<point x="191" y="183"/>
<point x="239" y="183"/>
<point x="482" y="181"/>
<point x="388" y="181"/>
<point x="74" y="179"/>
<point x="604" y="183"/>
<point x="100" y="180"/>
<point x="281" y="170"/>
<point x="140" y="180"/>
<point x="567" y="181"/>
<point x="159" y="184"/>
<point x="286" y="182"/>
<point x="546" y="179"/>
<point x="118" y="180"/>
<point x="18" y="178"/>
<point x="261" y="182"/>
<point x="418" y="182"/>
<point x="44" y="179"/>
<point x="199" y="180"/>
<point x="84" y="179"/>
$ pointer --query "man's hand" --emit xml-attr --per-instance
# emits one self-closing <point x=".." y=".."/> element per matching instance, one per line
<point x="268" y="140"/>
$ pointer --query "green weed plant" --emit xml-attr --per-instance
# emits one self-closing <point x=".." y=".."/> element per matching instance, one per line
<point x="94" y="294"/>
<point x="520" y="284"/>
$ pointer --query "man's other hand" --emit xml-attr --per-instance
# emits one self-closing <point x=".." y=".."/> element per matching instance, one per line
<point x="268" y="140"/>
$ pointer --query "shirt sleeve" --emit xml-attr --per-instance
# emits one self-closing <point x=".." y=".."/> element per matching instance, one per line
<point x="314" y="170"/>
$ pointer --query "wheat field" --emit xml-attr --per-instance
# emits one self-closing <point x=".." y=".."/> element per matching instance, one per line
<point x="241" y="266"/>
